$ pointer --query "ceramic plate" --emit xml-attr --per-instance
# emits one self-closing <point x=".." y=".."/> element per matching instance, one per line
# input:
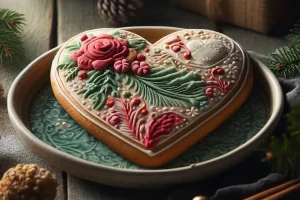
<point x="54" y="135"/>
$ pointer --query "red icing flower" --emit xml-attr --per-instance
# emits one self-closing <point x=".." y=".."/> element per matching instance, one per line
<point x="100" y="51"/>
<point x="121" y="66"/>
<point x="140" y="68"/>
<point x="160" y="127"/>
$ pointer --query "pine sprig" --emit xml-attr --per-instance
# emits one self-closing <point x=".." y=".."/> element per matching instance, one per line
<point x="285" y="63"/>
<point x="284" y="153"/>
<point x="11" y="45"/>
<point x="11" y="20"/>
<point x="294" y="36"/>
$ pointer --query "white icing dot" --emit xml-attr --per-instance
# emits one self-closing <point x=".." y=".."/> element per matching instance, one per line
<point x="83" y="102"/>
<point x="89" y="108"/>
<point x="165" y="108"/>
<point x="177" y="127"/>
<point x="181" y="111"/>
<point x="57" y="124"/>
<point x="98" y="113"/>
<point x="184" y="120"/>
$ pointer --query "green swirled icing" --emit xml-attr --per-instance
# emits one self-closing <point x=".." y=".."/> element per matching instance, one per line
<point x="45" y="112"/>
<point x="168" y="87"/>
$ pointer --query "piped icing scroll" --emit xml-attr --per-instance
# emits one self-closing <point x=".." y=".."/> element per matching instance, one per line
<point x="150" y="93"/>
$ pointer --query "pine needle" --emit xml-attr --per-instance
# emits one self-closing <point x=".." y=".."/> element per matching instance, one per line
<point x="284" y="153"/>
<point x="11" y="20"/>
<point x="294" y="36"/>
<point x="11" y="45"/>
<point x="285" y="63"/>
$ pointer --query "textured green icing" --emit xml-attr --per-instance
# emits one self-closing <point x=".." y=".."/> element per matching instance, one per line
<point x="137" y="43"/>
<point x="99" y="86"/>
<point x="117" y="33"/>
<point x="45" y="112"/>
<point x="73" y="45"/>
<point x="168" y="87"/>
<point x="65" y="63"/>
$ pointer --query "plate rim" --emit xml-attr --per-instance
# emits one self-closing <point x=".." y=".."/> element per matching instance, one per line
<point x="28" y="136"/>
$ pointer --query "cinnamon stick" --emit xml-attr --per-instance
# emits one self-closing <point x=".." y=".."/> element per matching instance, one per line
<point x="278" y="190"/>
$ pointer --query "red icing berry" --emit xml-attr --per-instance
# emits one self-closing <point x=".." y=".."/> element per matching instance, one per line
<point x="110" y="102"/>
<point x="220" y="71"/>
<point x="209" y="91"/>
<point x="141" y="57"/>
<point x="135" y="101"/>
<point x="176" y="48"/>
<point x="144" y="111"/>
<point x="187" y="55"/>
<point x="82" y="74"/>
<point x="84" y="37"/>
<point x="146" y="50"/>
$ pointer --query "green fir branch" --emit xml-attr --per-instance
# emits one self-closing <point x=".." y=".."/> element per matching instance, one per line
<point x="11" y="47"/>
<point x="11" y="20"/>
<point x="284" y="153"/>
<point x="11" y="44"/>
<point x="285" y="63"/>
<point x="294" y="36"/>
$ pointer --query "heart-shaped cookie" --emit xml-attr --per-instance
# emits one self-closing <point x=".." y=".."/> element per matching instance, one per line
<point x="151" y="102"/>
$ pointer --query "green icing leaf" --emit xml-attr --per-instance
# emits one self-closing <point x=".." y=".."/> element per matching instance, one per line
<point x="99" y="86"/>
<point x="89" y="35"/>
<point x="168" y="87"/>
<point x="72" y="73"/>
<point x="65" y="62"/>
<point x="116" y="33"/>
<point x="73" y="45"/>
<point x="137" y="43"/>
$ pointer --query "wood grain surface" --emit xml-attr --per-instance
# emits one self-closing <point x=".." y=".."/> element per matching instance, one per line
<point x="36" y="37"/>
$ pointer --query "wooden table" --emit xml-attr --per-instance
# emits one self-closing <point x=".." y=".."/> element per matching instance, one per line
<point x="51" y="22"/>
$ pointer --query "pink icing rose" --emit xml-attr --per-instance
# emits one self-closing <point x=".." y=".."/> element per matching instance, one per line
<point x="99" y="52"/>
